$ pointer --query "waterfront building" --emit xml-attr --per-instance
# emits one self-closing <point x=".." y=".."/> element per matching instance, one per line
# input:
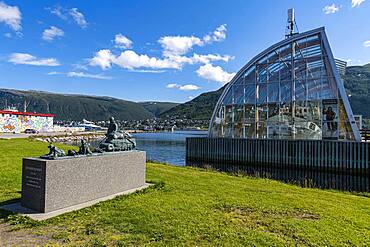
<point x="17" y="122"/>
<point x="291" y="90"/>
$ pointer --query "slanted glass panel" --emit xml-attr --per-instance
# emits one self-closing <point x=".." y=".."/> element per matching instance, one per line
<point x="286" y="130"/>
<point x="300" y="90"/>
<point x="238" y="114"/>
<point x="261" y="130"/>
<point x="301" y="111"/>
<point x="216" y="129"/>
<point x="314" y="111"/>
<point x="219" y="122"/>
<point x="249" y="130"/>
<point x="250" y="75"/>
<point x="285" y="53"/>
<point x="285" y="91"/>
<point x="300" y="69"/>
<point x="228" y="123"/>
<point x="299" y="47"/>
<point x="228" y="99"/>
<point x="238" y="94"/>
<point x="286" y="112"/>
<point x="306" y="130"/>
<point x="314" y="89"/>
<point x="273" y="112"/>
<point x="273" y="70"/>
<point x="250" y="94"/>
<point x="315" y="67"/>
<point x="273" y="92"/>
<point x="261" y="93"/>
<point x="286" y="71"/>
<point x="273" y="57"/>
<point x="239" y="81"/>
<point x="238" y="121"/>
<point x="261" y="114"/>
<point x="228" y="114"/>
<point x="313" y="47"/>
<point x="273" y="130"/>
<point x="329" y="88"/>
<point x="250" y="113"/>
<point x="346" y="132"/>
<point x="262" y="73"/>
<point x="330" y="119"/>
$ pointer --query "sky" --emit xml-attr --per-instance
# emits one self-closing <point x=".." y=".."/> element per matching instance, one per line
<point x="161" y="50"/>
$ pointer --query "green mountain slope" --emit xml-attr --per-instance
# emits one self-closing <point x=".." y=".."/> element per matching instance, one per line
<point x="74" y="107"/>
<point x="356" y="82"/>
<point x="157" y="108"/>
<point x="199" y="108"/>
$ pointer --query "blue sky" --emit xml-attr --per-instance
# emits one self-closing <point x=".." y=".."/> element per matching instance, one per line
<point x="158" y="50"/>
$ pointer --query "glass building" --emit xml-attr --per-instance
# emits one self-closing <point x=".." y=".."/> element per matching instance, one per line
<point x="292" y="90"/>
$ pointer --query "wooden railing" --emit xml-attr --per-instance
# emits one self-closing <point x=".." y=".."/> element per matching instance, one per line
<point x="325" y="164"/>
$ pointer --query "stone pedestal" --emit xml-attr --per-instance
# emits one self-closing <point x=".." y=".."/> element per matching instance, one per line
<point x="49" y="185"/>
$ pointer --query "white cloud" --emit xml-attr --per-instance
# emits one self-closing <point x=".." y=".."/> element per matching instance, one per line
<point x="356" y="3"/>
<point x="131" y="60"/>
<point x="122" y="41"/>
<point x="199" y="58"/>
<point x="74" y="13"/>
<point x="103" y="59"/>
<point x="187" y="87"/>
<point x="11" y="16"/>
<point x="78" y="17"/>
<point x="219" y="34"/>
<point x="86" y="75"/>
<point x="330" y="9"/>
<point x="172" y="85"/>
<point x="51" y="33"/>
<point x="214" y="73"/>
<point x="173" y="54"/>
<point x="147" y="71"/>
<point x="367" y="43"/>
<point x="81" y="75"/>
<point x="25" y="58"/>
<point x="180" y="45"/>
<point x="8" y="35"/>
<point x="58" y="11"/>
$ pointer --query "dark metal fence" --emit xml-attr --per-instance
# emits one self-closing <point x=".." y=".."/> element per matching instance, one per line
<point x="312" y="163"/>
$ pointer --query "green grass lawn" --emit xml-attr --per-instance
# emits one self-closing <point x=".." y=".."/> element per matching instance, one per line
<point x="195" y="207"/>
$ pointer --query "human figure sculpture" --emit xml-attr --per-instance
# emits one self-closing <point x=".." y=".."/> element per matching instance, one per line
<point x="84" y="148"/>
<point x="54" y="152"/>
<point x="116" y="140"/>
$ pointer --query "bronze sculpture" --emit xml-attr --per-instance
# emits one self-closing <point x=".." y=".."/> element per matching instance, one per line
<point x="116" y="140"/>
<point x="54" y="152"/>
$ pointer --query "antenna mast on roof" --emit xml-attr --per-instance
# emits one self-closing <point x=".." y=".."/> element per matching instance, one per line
<point x="291" y="28"/>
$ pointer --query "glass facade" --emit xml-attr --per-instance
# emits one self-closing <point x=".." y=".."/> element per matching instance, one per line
<point x="289" y="92"/>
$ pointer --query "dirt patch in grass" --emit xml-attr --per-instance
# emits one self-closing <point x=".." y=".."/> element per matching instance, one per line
<point x="23" y="237"/>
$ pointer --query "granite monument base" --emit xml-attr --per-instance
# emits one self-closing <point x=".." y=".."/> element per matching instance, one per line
<point x="50" y="185"/>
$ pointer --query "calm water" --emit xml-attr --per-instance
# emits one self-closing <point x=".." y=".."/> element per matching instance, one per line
<point x="166" y="147"/>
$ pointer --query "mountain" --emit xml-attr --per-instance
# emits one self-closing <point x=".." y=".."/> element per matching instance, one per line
<point x="78" y="107"/>
<point x="157" y="108"/>
<point x="356" y="82"/>
<point x="199" y="108"/>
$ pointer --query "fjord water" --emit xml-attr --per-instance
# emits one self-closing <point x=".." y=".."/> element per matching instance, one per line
<point x="168" y="147"/>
